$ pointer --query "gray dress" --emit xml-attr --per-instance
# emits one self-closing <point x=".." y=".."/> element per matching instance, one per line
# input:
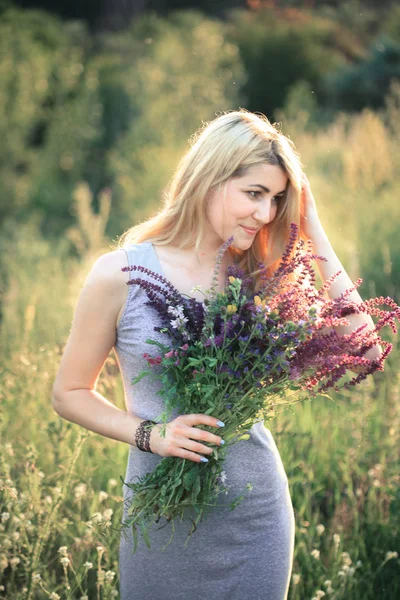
<point x="244" y="553"/>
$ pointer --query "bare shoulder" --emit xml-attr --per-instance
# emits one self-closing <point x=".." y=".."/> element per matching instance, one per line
<point x="106" y="273"/>
<point x="108" y="266"/>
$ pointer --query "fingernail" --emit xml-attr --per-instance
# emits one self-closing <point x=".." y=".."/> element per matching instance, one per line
<point x="220" y="424"/>
<point x="222" y="442"/>
<point x="204" y="459"/>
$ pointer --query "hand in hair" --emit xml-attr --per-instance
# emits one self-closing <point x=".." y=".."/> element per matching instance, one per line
<point x="310" y="223"/>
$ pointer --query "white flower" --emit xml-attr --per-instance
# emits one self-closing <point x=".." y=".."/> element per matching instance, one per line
<point x="112" y="482"/>
<point x="5" y="516"/>
<point x="54" y="596"/>
<point x="320" y="529"/>
<point x="345" y="556"/>
<point x="102" y="496"/>
<point x="64" y="560"/>
<point x="320" y="593"/>
<point x="110" y="576"/>
<point x="390" y="555"/>
<point x="107" y="514"/>
<point x="14" y="562"/>
<point x="329" y="590"/>
<point x="80" y="490"/>
<point x="88" y="565"/>
<point x="336" y="540"/>
<point x="295" y="578"/>
<point x="221" y="478"/>
<point x="97" y="517"/>
<point x="63" y="550"/>
<point x="315" y="553"/>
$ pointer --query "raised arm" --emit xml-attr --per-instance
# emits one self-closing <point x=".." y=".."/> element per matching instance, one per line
<point x="322" y="246"/>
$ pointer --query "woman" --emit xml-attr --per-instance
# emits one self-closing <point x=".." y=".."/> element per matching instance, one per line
<point x="241" y="177"/>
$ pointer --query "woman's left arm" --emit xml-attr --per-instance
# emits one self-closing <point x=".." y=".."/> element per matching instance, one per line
<point x="314" y="230"/>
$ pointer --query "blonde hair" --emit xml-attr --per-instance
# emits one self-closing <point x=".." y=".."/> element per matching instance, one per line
<point x="221" y="149"/>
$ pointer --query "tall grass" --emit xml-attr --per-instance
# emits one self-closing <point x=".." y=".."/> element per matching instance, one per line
<point x="60" y="492"/>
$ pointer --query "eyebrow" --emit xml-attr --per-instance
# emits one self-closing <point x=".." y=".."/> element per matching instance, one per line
<point x="265" y="188"/>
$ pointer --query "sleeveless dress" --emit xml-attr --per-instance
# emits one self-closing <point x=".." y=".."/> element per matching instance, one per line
<point x="244" y="553"/>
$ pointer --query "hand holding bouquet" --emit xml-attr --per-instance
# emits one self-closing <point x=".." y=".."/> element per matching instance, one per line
<point x="237" y="356"/>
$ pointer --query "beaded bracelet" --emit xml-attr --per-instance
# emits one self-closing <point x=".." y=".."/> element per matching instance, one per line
<point x="142" y="435"/>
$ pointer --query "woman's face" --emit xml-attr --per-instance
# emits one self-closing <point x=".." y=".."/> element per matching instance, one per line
<point x="246" y="204"/>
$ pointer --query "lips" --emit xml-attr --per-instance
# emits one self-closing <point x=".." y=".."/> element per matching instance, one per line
<point x="249" y="230"/>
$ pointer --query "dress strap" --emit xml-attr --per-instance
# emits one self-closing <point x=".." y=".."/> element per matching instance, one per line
<point x="138" y="254"/>
<point x="128" y="262"/>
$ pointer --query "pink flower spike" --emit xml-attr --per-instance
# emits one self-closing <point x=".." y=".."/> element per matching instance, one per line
<point x="169" y="354"/>
<point x="184" y="347"/>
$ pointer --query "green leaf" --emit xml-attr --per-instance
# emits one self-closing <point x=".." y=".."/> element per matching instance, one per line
<point x="135" y="538"/>
<point x="196" y="490"/>
<point x="145" y="533"/>
<point x="179" y="494"/>
<point x="188" y="479"/>
<point x="140" y="376"/>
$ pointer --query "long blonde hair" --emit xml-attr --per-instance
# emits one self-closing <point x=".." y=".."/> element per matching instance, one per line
<point x="222" y="149"/>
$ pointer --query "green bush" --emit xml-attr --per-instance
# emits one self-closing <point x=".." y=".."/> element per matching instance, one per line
<point x="365" y="84"/>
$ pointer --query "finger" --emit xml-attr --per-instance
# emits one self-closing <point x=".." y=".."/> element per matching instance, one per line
<point x="195" y="446"/>
<point x="199" y="434"/>
<point x="197" y="419"/>
<point x="183" y="453"/>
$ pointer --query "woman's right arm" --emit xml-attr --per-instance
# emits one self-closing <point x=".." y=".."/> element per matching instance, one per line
<point x="92" y="337"/>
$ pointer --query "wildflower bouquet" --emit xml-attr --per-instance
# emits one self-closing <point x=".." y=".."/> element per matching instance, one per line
<point x="238" y="355"/>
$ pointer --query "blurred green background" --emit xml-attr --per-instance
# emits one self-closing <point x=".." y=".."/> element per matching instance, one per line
<point x="97" y="104"/>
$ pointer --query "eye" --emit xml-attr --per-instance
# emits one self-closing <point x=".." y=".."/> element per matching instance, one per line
<point x="258" y="193"/>
<point x="254" y="192"/>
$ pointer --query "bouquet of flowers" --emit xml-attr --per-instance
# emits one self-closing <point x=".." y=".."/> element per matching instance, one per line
<point x="239" y="355"/>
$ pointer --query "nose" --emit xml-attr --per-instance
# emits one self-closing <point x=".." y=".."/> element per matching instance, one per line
<point x="265" y="211"/>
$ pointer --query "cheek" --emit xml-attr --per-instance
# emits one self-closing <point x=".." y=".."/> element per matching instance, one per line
<point x="241" y="208"/>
